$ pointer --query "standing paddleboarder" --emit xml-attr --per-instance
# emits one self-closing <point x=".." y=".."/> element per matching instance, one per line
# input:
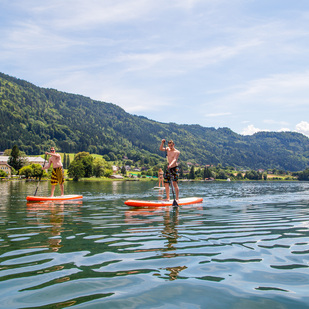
<point x="57" y="174"/>
<point x="160" y="177"/>
<point x="172" y="171"/>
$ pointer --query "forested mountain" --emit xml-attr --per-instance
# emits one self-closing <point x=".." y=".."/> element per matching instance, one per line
<point x="35" y="118"/>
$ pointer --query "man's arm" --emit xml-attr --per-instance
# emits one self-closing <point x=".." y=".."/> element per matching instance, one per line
<point x="162" y="148"/>
<point x="47" y="166"/>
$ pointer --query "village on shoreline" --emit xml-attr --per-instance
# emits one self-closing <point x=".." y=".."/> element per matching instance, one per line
<point x="127" y="171"/>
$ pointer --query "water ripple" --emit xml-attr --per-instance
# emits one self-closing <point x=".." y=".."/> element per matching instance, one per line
<point x="247" y="244"/>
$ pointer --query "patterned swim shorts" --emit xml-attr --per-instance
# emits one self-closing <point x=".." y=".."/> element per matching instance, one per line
<point x="171" y="174"/>
<point x="57" y="176"/>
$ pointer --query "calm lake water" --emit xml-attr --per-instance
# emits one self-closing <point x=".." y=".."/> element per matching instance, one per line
<point x="246" y="246"/>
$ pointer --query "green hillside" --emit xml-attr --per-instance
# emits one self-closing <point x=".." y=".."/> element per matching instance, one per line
<point x="35" y="118"/>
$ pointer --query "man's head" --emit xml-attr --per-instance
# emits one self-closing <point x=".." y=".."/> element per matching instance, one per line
<point x="52" y="149"/>
<point x="170" y="144"/>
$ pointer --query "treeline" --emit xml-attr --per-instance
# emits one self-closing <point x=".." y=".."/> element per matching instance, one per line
<point x="303" y="175"/>
<point x="37" y="118"/>
<point x="85" y="165"/>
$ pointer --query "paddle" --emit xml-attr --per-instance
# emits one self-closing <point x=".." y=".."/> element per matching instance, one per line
<point x="175" y="204"/>
<point x="37" y="187"/>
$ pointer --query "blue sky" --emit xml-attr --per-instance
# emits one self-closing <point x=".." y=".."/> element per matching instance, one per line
<point x="242" y="64"/>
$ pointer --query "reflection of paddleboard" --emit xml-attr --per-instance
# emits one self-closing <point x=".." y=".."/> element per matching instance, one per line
<point x="158" y="203"/>
<point x="54" y="198"/>
<point x="156" y="188"/>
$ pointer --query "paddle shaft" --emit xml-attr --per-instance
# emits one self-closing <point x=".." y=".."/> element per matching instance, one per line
<point x="37" y="187"/>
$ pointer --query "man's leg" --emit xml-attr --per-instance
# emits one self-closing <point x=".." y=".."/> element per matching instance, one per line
<point x="167" y="190"/>
<point x="52" y="190"/>
<point x="62" y="189"/>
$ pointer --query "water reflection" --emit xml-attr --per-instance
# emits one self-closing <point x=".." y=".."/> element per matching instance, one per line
<point x="51" y="215"/>
<point x="246" y="246"/>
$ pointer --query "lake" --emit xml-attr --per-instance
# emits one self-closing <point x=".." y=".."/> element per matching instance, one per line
<point x="246" y="246"/>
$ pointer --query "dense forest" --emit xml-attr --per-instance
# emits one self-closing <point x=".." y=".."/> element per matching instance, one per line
<point x="35" y="118"/>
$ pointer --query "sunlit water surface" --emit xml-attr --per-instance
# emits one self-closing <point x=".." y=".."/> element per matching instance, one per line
<point x="245" y="246"/>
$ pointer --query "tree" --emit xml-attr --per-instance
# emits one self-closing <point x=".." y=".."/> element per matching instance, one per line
<point x="37" y="170"/>
<point x="87" y="161"/>
<point x="207" y="173"/>
<point x="68" y="161"/>
<point x="99" y="167"/>
<point x="3" y="173"/>
<point x="64" y="161"/>
<point x="239" y="176"/>
<point x="33" y="170"/>
<point x="112" y="156"/>
<point x="76" y="170"/>
<point x="15" y="159"/>
<point x="221" y="174"/>
<point x="106" y="157"/>
<point x="88" y="166"/>
<point x="191" y="174"/>
<point x="123" y="170"/>
<point x="27" y="171"/>
<point x="304" y="175"/>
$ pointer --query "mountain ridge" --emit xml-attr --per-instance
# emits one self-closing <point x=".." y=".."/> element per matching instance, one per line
<point x="35" y="118"/>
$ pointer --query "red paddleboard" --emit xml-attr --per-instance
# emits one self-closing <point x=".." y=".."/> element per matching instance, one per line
<point x="54" y="198"/>
<point x="158" y="203"/>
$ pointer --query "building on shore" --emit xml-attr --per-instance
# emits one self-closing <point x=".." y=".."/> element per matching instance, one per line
<point x="30" y="160"/>
<point x="6" y="168"/>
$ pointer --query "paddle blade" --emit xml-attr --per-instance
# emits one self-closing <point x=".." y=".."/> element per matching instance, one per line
<point x="175" y="204"/>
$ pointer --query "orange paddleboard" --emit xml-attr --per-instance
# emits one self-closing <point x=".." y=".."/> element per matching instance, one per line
<point x="158" y="203"/>
<point x="54" y="198"/>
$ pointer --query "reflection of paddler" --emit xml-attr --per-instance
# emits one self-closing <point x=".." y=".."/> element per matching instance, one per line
<point x="56" y="219"/>
<point x="170" y="231"/>
<point x="135" y="215"/>
<point x="174" y="271"/>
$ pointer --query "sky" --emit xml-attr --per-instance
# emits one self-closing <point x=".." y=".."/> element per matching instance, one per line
<point x="241" y="64"/>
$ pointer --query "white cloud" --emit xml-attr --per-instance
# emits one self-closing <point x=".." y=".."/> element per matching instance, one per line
<point x="278" y="89"/>
<point x="182" y="60"/>
<point x="217" y="114"/>
<point x="303" y="127"/>
<point x="134" y="100"/>
<point x="251" y="129"/>
<point x="284" y="130"/>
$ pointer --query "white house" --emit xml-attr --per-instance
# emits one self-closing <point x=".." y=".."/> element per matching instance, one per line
<point x="31" y="160"/>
